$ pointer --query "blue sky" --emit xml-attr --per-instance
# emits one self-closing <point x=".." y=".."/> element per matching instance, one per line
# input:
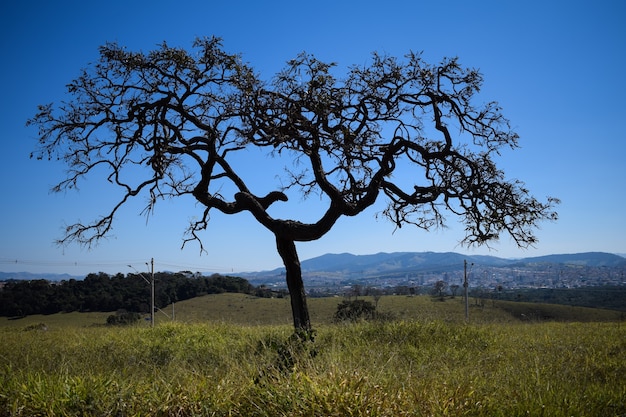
<point x="556" y="67"/>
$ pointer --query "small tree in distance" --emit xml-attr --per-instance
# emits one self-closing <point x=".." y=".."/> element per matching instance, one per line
<point x="171" y="123"/>
<point x="454" y="288"/>
<point x="439" y="289"/>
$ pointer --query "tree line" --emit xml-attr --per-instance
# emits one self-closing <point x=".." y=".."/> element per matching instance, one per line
<point x="104" y="292"/>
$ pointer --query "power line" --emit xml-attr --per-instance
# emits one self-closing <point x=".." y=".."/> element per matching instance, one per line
<point x="117" y="263"/>
<point x="192" y="267"/>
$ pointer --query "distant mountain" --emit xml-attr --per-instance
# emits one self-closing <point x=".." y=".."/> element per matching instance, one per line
<point x="592" y="259"/>
<point x="5" y="276"/>
<point x="396" y="264"/>
<point x="434" y="261"/>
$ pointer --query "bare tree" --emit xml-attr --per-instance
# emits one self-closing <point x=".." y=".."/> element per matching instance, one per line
<point x="439" y="289"/>
<point x="375" y="293"/>
<point x="171" y="122"/>
<point x="357" y="290"/>
<point x="454" y="288"/>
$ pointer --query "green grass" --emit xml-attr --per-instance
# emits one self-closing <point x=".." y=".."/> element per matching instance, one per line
<point x="61" y="320"/>
<point x="427" y="362"/>
<point x="248" y="310"/>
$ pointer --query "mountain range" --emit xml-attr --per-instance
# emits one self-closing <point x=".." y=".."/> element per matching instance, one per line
<point x="346" y="265"/>
<point x="4" y="276"/>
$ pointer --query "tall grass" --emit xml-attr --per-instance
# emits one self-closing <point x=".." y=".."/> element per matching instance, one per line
<point x="398" y="368"/>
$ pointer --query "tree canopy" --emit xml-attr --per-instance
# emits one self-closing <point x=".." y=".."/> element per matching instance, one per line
<point x="103" y="292"/>
<point x="170" y="122"/>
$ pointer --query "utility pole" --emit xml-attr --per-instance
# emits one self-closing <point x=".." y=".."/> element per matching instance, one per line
<point x="152" y="290"/>
<point x="465" y="285"/>
<point x="151" y="282"/>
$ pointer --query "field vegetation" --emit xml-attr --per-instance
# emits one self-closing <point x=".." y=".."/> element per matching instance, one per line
<point x="236" y="355"/>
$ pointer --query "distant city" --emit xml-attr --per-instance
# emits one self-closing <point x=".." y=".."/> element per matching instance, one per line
<point x="422" y="270"/>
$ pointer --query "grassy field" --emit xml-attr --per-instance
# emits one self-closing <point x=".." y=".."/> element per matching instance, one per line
<point x="248" y="310"/>
<point x="252" y="311"/>
<point x="234" y="355"/>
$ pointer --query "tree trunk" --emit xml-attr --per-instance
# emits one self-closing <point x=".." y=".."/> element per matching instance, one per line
<point x="300" y="311"/>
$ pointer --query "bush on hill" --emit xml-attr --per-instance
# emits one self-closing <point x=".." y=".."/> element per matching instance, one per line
<point x="354" y="310"/>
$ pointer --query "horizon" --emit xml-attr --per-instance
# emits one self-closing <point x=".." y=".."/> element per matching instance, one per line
<point x="622" y="255"/>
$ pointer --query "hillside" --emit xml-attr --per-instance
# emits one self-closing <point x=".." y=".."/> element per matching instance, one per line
<point x="591" y="259"/>
<point x="248" y="310"/>
<point x="383" y="262"/>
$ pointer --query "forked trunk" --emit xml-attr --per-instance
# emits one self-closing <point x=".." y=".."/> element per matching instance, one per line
<point x="287" y="250"/>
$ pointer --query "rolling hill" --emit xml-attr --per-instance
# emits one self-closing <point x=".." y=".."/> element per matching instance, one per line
<point x="347" y="266"/>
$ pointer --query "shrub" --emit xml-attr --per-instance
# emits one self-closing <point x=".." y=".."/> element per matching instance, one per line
<point x="123" y="318"/>
<point x="353" y="310"/>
